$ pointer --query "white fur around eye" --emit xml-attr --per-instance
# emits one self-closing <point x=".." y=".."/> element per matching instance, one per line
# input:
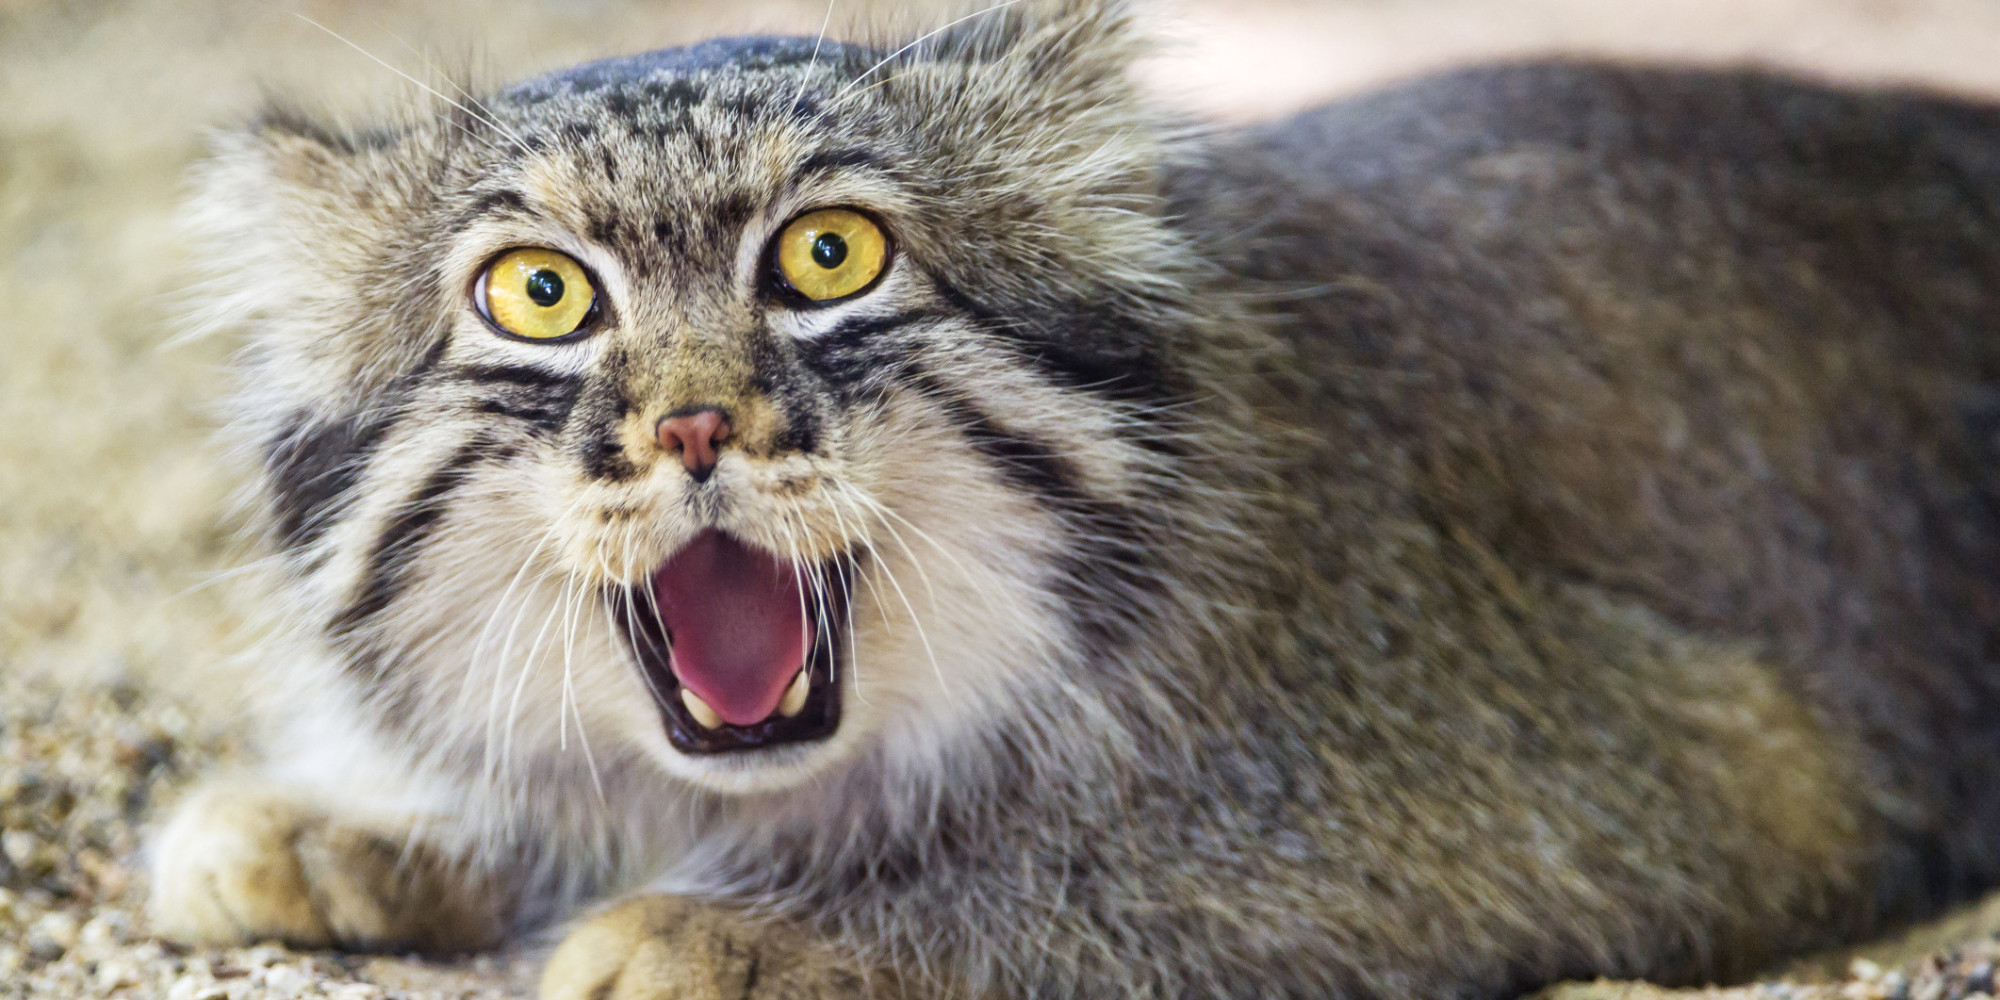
<point x="886" y="298"/>
<point x="474" y="343"/>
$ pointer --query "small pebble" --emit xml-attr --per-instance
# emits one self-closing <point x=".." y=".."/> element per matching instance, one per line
<point x="115" y="975"/>
<point x="263" y="955"/>
<point x="1980" y="979"/>
<point x="103" y="933"/>
<point x="1896" y="986"/>
<point x="20" y="847"/>
<point x="196" y="988"/>
<point x="285" y="980"/>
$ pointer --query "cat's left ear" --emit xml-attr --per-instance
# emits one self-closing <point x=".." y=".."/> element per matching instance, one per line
<point x="1065" y="37"/>
<point x="1078" y="45"/>
<point x="1036" y="134"/>
<point x="1027" y="79"/>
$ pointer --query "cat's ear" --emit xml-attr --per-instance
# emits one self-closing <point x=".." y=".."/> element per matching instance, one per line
<point x="283" y="196"/>
<point x="1062" y="36"/>
<point x="292" y="221"/>
<point x="1082" y="48"/>
<point x="284" y="156"/>
<point x="1036" y="133"/>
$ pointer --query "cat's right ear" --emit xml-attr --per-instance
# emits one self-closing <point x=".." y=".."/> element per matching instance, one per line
<point x="292" y="222"/>
<point x="286" y="154"/>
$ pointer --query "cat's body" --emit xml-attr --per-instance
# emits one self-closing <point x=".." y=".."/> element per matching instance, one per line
<point x="1526" y="524"/>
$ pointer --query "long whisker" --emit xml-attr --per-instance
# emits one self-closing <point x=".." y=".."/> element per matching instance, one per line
<point x="813" y="63"/>
<point x="575" y="594"/>
<point x="798" y="572"/>
<point x="527" y="670"/>
<point x="790" y="513"/>
<point x="493" y="768"/>
<point x="977" y="576"/>
<point x="492" y="123"/>
<point x="853" y="571"/>
<point x="930" y="589"/>
<point x="449" y="80"/>
<point x="629" y="543"/>
<point x="571" y="598"/>
<point x="919" y="40"/>
<point x="527" y="667"/>
<point x="853" y="644"/>
<point x="916" y="620"/>
<point x="820" y="588"/>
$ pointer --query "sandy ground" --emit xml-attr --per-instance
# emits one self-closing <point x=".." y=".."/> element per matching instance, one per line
<point x="115" y="645"/>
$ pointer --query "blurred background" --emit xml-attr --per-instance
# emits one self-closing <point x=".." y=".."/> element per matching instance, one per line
<point x="114" y="518"/>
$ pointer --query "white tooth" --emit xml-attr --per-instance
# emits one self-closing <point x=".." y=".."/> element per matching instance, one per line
<point x="795" y="696"/>
<point x="704" y="716"/>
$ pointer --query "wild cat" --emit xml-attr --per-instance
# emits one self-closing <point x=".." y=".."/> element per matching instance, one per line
<point x="926" y="521"/>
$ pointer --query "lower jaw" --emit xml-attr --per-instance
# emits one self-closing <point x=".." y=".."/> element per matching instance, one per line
<point x="815" y="722"/>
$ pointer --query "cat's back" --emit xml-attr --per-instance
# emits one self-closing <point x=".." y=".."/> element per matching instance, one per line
<point x="1478" y="192"/>
<point x="1723" y="343"/>
<point x="1784" y="158"/>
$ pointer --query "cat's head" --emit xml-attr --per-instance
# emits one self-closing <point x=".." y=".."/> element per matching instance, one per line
<point x="741" y="411"/>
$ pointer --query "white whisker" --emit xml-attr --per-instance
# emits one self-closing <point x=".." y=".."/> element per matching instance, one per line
<point x="813" y="63"/>
<point x="493" y="123"/>
<point x="919" y="40"/>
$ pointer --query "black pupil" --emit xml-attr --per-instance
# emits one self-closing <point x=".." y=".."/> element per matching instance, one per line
<point x="829" y="250"/>
<point x="545" y="288"/>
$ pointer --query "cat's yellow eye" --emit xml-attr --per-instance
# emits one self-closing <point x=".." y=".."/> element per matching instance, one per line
<point x="831" y="253"/>
<point x="535" y="293"/>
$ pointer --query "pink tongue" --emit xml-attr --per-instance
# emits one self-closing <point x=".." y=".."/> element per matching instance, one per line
<point x="738" y="625"/>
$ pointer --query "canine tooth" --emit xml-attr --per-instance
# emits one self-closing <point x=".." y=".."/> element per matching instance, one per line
<point x="795" y="696"/>
<point x="704" y="716"/>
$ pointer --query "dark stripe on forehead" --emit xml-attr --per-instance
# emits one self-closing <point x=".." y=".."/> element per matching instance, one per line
<point x="384" y="575"/>
<point x="500" y="202"/>
<point x="833" y="160"/>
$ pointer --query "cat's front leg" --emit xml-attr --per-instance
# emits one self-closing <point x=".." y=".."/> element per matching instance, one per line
<point x="242" y="862"/>
<point x="668" y="948"/>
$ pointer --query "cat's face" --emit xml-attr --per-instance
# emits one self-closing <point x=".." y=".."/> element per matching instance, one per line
<point x="735" y="411"/>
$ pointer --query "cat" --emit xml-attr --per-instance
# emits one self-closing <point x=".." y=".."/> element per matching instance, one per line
<point x="925" y="520"/>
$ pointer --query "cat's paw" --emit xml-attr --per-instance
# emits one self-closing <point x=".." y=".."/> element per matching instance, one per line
<point x="239" y="864"/>
<point x="664" y="948"/>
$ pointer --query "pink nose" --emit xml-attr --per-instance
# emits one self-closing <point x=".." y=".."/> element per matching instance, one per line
<point x="695" y="435"/>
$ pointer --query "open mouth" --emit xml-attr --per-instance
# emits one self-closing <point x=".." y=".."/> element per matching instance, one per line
<point x="739" y="647"/>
